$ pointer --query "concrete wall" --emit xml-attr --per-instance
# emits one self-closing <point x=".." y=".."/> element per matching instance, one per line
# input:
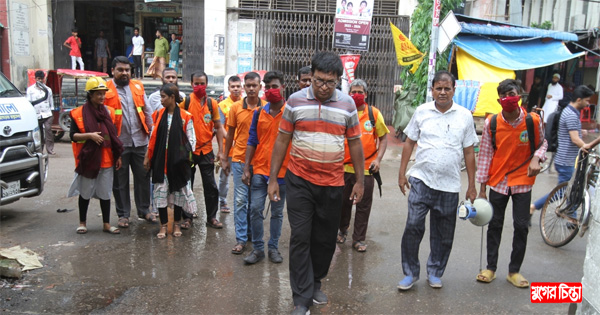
<point x="215" y="30"/>
<point x="30" y="38"/>
<point x="591" y="266"/>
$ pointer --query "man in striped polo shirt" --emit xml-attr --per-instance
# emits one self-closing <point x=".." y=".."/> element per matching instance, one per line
<point x="316" y="120"/>
<point x="569" y="138"/>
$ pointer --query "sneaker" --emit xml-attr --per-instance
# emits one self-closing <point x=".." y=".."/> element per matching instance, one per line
<point x="407" y="283"/>
<point x="300" y="310"/>
<point x="319" y="297"/>
<point x="434" y="281"/>
<point x="254" y="257"/>
<point x="275" y="256"/>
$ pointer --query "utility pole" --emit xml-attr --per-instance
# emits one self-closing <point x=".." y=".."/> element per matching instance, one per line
<point x="435" y="25"/>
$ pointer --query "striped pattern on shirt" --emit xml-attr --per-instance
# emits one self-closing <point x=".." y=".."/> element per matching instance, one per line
<point x="567" y="151"/>
<point x="318" y="132"/>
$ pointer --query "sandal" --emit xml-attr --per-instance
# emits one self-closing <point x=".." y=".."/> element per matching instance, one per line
<point x="163" y="231"/>
<point x="177" y="230"/>
<point x="150" y="217"/>
<point x="112" y="230"/>
<point x="123" y="222"/>
<point x="341" y="237"/>
<point x="81" y="230"/>
<point x="214" y="223"/>
<point x="239" y="248"/>
<point x="225" y="209"/>
<point x="486" y="276"/>
<point x="186" y="224"/>
<point x="517" y="280"/>
<point x="359" y="246"/>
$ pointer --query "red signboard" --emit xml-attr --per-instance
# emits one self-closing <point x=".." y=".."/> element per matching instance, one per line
<point x="350" y="62"/>
<point x="555" y="292"/>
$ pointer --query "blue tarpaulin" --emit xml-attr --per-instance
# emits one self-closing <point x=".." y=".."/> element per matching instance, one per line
<point x="518" y="55"/>
<point x="514" y="31"/>
<point x="467" y="93"/>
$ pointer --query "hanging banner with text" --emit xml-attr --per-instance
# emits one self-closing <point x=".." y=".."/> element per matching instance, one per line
<point x="350" y="63"/>
<point x="353" y="24"/>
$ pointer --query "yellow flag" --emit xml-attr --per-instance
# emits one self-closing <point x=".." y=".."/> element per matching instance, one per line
<point x="406" y="52"/>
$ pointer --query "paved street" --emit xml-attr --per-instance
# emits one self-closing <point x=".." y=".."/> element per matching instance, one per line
<point x="137" y="273"/>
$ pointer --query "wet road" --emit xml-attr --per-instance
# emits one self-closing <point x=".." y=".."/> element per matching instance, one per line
<point x="137" y="273"/>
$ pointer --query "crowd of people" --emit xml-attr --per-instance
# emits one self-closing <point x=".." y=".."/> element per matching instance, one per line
<point x="316" y="153"/>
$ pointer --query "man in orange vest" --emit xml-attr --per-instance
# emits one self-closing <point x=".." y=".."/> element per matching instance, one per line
<point x="133" y="119"/>
<point x="263" y="132"/>
<point x="207" y="123"/>
<point x="511" y="148"/>
<point x="234" y="85"/>
<point x="374" y="142"/>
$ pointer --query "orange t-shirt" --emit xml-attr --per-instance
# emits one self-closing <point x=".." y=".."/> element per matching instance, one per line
<point x="240" y="118"/>
<point x="267" y="130"/>
<point x="204" y="122"/>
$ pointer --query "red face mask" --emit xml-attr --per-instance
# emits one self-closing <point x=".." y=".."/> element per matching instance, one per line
<point x="200" y="91"/>
<point x="273" y="95"/>
<point x="359" y="99"/>
<point x="510" y="103"/>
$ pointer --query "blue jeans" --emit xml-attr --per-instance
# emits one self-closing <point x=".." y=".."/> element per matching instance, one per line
<point x="258" y="188"/>
<point x="241" y="201"/>
<point x="564" y="175"/>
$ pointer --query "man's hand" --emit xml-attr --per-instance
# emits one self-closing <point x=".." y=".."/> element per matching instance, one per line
<point x="374" y="167"/>
<point x="534" y="167"/>
<point x="403" y="184"/>
<point x="548" y="96"/>
<point x="357" y="192"/>
<point x="225" y="166"/>
<point x="146" y="163"/>
<point x="471" y="193"/>
<point x="273" y="190"/>
<point x="246" y="175"/>
<point x="482" y="194"/>
<point x="118" y="164"/>
<point x="96" y="137"/>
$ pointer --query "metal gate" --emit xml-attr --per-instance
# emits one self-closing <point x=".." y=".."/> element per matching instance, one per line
<point x="287" y="39"/>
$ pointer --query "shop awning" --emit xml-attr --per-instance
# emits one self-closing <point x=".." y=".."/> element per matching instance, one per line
<point x="518" y="32"/>
<point x="520" y="55"/>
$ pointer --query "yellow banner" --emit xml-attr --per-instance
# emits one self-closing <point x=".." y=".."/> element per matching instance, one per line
<point x="406" y="52"/>
<point x="470" y="68"/>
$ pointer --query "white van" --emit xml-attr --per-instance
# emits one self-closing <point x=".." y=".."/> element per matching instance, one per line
<point x="23" y="166"/>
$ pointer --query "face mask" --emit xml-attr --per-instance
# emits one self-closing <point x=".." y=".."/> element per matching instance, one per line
<point x="510" y="103"/>
<point x="359" y="99"/>
<point x="200" y="91"/>
<point x="273" y="95"/>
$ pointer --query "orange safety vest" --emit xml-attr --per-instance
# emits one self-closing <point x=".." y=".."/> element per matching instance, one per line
<point x="513" y="149"/>
<point x="77" y="117"/>
<point x="267" y="129"/>
<point x="368" y="138"/>
<point x="112" y="99"/>
<point x="185" y="118"/>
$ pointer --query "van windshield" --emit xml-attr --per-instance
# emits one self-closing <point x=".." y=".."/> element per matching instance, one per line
<point x="7" y="89"/>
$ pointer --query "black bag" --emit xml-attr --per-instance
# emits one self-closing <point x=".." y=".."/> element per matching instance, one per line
<point x="551" y="132"/>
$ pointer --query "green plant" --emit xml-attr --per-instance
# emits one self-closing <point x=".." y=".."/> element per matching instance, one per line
<point x="546" y="25"/>
<point x="420" y="36"/>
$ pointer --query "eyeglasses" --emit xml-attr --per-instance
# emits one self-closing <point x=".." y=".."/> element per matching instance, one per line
<point x="320" y="82"/>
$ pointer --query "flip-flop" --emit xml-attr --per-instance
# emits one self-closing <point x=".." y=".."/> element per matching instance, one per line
<point x="341" y="238"/>
<point x="359" y="246"/>
<point x="123" y="222"/>
<point x="517" y="280"/>
<point x="225" y="209"/>
<point x="239" y="248"/>
<point x="81" y="230"/>
<point x="215" y="224"/>
<point x="150" y="217"/>
<point x="486" y="276"/>
<point x="112" y="230"/>
<point x="186" y="224"/>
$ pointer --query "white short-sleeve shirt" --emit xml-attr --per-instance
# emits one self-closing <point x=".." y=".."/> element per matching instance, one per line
<point x="138" y="42"/>
<point x="441" y="138"/>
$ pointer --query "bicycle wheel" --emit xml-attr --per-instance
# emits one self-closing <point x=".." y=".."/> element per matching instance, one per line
<point x="557" y="225"/>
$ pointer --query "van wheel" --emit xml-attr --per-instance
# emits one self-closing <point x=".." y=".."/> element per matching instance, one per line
<point x="58" y="135"/>
<point x="64" y="120"/>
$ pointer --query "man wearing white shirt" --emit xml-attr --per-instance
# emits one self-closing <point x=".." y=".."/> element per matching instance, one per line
<point x="169" y="75"/>
<point x="137" y="52"/>
<point x="444" y="132"/>
<point x="40" y="97"/>
<point x="554" y="94"/>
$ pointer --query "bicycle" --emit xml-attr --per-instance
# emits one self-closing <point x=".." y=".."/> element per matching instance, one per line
<point x="558" y="220"/>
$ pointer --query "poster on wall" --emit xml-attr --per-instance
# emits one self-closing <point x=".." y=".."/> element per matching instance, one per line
<point x="352" y="25"/>
<point x="20" y="29"/>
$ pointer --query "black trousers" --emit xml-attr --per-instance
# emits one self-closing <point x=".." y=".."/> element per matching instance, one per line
<point x="521" y="228"/>
<point x="205" y="162"/>
<point x="314" y="215"/>
<point x="137" y="66"/>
